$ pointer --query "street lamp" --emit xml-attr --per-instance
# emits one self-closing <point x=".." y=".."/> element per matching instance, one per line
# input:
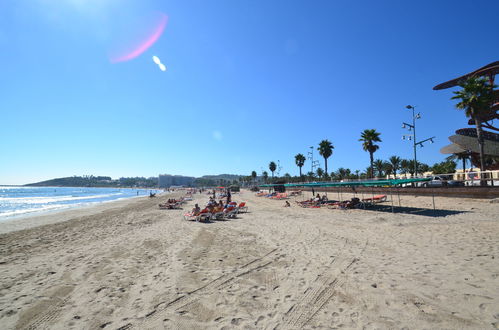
<point x="313" y="163"/>
<point x="412" y="137"/>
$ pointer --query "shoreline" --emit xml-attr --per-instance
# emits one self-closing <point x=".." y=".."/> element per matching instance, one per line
<point x="41" y="218"/>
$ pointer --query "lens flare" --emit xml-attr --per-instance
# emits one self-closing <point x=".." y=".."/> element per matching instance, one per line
<point x="139" y="47"/>
<point x="156" y="60"/>
<point x="162" y="67"/>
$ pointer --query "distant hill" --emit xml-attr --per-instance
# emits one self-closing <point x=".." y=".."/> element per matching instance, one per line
<point x="217" y="180"/>
<point x="106" y="181"/>
<point x="97" y="181"/>
<point x="222" y="177"/>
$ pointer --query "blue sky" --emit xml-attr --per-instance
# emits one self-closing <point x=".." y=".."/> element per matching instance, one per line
<point x="247" y="82"/>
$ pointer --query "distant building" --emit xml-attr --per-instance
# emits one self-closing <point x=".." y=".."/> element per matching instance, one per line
<point x="167" y="180"/>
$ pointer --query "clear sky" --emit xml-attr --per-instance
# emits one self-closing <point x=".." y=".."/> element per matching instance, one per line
<point x="247" y="82"/>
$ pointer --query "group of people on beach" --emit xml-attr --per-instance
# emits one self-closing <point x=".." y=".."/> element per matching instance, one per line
<point x="319" y="201"/>
<point x="211" y="207"/>
<point x="224" y="208"/>
<point x="314" y="202"/>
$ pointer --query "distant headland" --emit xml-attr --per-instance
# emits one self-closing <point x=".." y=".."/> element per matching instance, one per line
<point x="162" y="181"/>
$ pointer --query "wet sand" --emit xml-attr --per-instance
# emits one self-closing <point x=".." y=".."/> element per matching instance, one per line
<point x="134" y="266"/>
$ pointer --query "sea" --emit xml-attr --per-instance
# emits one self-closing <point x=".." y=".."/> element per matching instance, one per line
<point x="16" y="202"/>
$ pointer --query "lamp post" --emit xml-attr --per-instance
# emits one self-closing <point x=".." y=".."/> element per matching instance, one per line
<point x="313" y="163"/>
<point x="413" y="136"/>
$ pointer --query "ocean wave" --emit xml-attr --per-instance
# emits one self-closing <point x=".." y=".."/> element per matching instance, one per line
<point x="54" y="199"/>
<point x="19" y="212"/>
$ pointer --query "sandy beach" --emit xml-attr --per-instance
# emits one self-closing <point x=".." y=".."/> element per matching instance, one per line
<point x="130" y="265"/>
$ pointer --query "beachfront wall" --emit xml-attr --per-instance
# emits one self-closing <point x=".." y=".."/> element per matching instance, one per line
<point x="461" y="192"/>
<point x="473" y="173"/>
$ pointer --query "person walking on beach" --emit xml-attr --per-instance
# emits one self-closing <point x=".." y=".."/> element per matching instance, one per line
<point x="228" y="195"/>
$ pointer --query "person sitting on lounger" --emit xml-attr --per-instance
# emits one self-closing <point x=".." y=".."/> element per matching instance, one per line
<point x="217" y="208"/>
<point x="196" y="210"/>
<point x="211" y="208"/>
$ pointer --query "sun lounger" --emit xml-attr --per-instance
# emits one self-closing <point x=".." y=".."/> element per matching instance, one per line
<point x="375" y="199"/>
<point x="169" y="206"/>
<point x="280" y="196"/>
<point x="242" y="208"/>
<point x="190" y="216"/>
<point x="219" y="215"/>
<point x="230" y="212"/>
<point x="201" y="217"/>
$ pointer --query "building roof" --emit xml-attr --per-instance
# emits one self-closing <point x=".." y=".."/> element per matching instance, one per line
<point x="488" y="70"/>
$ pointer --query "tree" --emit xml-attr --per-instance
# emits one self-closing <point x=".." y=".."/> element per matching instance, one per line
<point x="325" y="150"/>
<point x="394" y="162"/>
<point x="265" y="176"/>
<point x="272" y="168"/>
<point x="253" y="176"/>
<point x="422" y="167"/>
<point x="444" y="167"/>
<point x="462" y="157"/>
<point x="408" y="166"/>
<point x="405" y="165"/>
<point x="342" y="173"/>
<point x="368" y="137"/>
<point x="476" y="97"/>
<point x="320" y="172"/>
<point x="387" y="168"/>
<point x="300" y="161"/>
<point x="379" y="166"/>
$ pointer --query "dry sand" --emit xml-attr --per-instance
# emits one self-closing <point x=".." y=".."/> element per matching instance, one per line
<point x="131" y="265"/>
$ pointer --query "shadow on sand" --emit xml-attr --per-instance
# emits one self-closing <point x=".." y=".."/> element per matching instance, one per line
<point x="413" y="210"/>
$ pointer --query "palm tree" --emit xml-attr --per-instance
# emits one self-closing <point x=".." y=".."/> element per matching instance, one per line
<point x="462" y="156"/>
<point x="253" y="175"/>
<point x="422" y="167"/>
<point x="387" y="168"/>
<point x="300" y="161"/>
<point x="272" y="168"/>
<point x="325" y="150"/>
<point x="405" y="165"/>
<point x="368" y="137"/>
<point x="341" y="173"/>
<point x="265" y="176"/>
<point x="320" y="172"/>
<point x="476" y="99"/>
<point x="379" y="166"/>
<point x="395" y="165"/>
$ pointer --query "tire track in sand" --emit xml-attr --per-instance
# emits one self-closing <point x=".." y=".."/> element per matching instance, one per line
<point x="207" y="289"/>
<point x="46" y="318"/>
<point x="316" y="297"/>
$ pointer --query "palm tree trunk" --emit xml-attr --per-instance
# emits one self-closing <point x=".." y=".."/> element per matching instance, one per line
<point x="371" y="156"/>
<point x="479" y="133"/>
<point x="300" y="170"/>
<point x="325" y="163"/>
